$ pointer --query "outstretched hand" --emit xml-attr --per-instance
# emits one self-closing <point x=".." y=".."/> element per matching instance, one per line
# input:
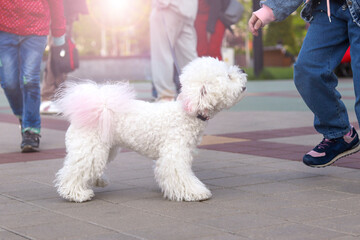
<point x="255" y="24"/>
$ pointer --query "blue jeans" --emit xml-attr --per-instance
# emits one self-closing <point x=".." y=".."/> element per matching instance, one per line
<point x="20" y="61"/>
<point x="322" y="50"/>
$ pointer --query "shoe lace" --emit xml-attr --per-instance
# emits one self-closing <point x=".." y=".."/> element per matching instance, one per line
<point x="325" y="143"/>
<point x="31" y="135"/>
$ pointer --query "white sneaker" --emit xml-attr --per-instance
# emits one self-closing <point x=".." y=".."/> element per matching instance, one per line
<point x="49" y="107"/>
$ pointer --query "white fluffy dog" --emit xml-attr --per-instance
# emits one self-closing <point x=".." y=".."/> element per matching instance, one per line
<point x="104" y="117"/>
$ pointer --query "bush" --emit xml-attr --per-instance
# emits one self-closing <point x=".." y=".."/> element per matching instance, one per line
<point x="271" y="73"/>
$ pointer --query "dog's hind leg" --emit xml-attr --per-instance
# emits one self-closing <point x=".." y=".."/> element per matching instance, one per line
<point x="103" y="181"/>
<point x="84" y="164"/>
<point x="175" y="177"/>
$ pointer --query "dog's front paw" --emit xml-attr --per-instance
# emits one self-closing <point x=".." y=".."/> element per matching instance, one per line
<point x="189" y="193"/>
<point x="199" y="195"/>
<point x="77" y="196"/>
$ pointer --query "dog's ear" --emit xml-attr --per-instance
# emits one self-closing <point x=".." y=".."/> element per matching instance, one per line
<point x="195" y="103"/>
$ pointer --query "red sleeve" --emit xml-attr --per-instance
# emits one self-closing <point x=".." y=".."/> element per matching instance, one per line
<point x="58" y="23"/>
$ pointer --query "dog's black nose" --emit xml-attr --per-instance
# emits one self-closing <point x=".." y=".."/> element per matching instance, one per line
<point x="242" y="71"/>
<point x="243" y="89"/>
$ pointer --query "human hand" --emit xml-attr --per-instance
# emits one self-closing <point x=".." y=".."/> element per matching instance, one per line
<point x="254" y="24"/>
<point x="58" y="41"/>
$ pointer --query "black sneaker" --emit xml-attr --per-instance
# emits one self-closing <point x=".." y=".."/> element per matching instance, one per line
<point x="331" y="150"/>
<point x="30" y="142"/>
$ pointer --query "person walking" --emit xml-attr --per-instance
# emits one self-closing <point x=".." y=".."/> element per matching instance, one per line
<point x="172" y="36"/>
<point x="334" y="25"/>
<point x="24" y="26"/>
<point x="210" y="28"/>
<point x="52" y="82"/>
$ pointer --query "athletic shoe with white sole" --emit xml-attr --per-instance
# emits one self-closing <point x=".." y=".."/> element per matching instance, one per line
<point x="330" y="150"/>
<point x="30" y="142"/>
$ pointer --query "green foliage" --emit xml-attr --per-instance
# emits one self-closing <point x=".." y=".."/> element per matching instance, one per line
<point x="281" y="32"/>
<point x="124" y="25"/>
<point x="87" y="34"/>
<point x="271" y="73"/>
<point x="290" y="32"/>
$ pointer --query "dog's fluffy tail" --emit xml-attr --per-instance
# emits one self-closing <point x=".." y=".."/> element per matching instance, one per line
<point x="87" y="104"/>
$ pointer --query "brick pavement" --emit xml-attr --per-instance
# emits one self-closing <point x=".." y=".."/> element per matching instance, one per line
<point x="249" y="158"/>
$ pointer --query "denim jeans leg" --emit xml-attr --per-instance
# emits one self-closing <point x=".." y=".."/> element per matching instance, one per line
<point x="9" y="71"/>
<point x="322" y="50"/>
<point x="354" y="36"/>
<point x="31" y="52"/>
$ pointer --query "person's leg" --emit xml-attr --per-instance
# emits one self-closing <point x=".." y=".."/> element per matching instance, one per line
<point x="216" y="40"/>
<point x="31" y="52"/>
<point x="354" y="36"/>
<point x="9" y="71"/>
<point x="49" y="86"/>
<point x="202" y="41"/>
<point x="163" y="28"/>
<point x="185" y="46"/>
<point x="322" y="51"/>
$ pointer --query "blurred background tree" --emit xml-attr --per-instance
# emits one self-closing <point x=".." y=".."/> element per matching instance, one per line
<point x="114" y="28"/>
<point x="121" y="28"/>
<point x="289" y="33"/>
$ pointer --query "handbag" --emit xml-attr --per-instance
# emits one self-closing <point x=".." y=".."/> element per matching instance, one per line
<point x="233" y="12"/>
<point x="64" y="58"/>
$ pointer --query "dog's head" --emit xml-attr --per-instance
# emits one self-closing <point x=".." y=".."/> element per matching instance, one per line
<point x="209" y="86"/>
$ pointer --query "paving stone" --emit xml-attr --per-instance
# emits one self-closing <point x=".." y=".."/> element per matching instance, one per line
<point x="346" y="187"/>
<point x="290" y="231"/>
<point x="216" y="164"/>
<point x="175" y="231"/>
<point x="131" y="221"/>
<point x="107" y="236"/>
<point x="237" y="181"/>
<point x="212" y="174"/>
<point x="189" y="211"/>
<point x="320" y="181"/>
<point x="16" y="207"/>
<point x="26" y="219"/>
<point x="58" y="204"/>
<point x="347" y="237"/>
<point x="5" y="235"/>
<point x="282" y="175"/>
<point x="223" y="236"/>
<point x="258" y="193"/>
<point x="61" y="230"/>
<point x="235" y="223"/>
<point x="350" y="204"/>
<point x="247" y="169"/>
<point x="40" y="192"/>
<point x="305" y="213"/>
<point x="248" y="202"/>
<point x="129" y="194"/>
<point x="272" y="188"/>
<point x="348" y="224"/>
<point x="312" y="196"/>
<point x="353" y="175"/>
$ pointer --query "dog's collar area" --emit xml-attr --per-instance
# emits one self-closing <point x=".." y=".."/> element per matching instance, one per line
<point x="202" y="117"/>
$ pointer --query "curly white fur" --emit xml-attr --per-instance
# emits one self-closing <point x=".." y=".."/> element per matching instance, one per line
<point x="104" y="117"/>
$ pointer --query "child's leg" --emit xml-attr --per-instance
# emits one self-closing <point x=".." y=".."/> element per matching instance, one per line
<point x="322" y="50"/>
<point x="354" y="36"/>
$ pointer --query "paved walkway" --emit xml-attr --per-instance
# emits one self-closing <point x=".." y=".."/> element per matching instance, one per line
<point x="249" y="158"/>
